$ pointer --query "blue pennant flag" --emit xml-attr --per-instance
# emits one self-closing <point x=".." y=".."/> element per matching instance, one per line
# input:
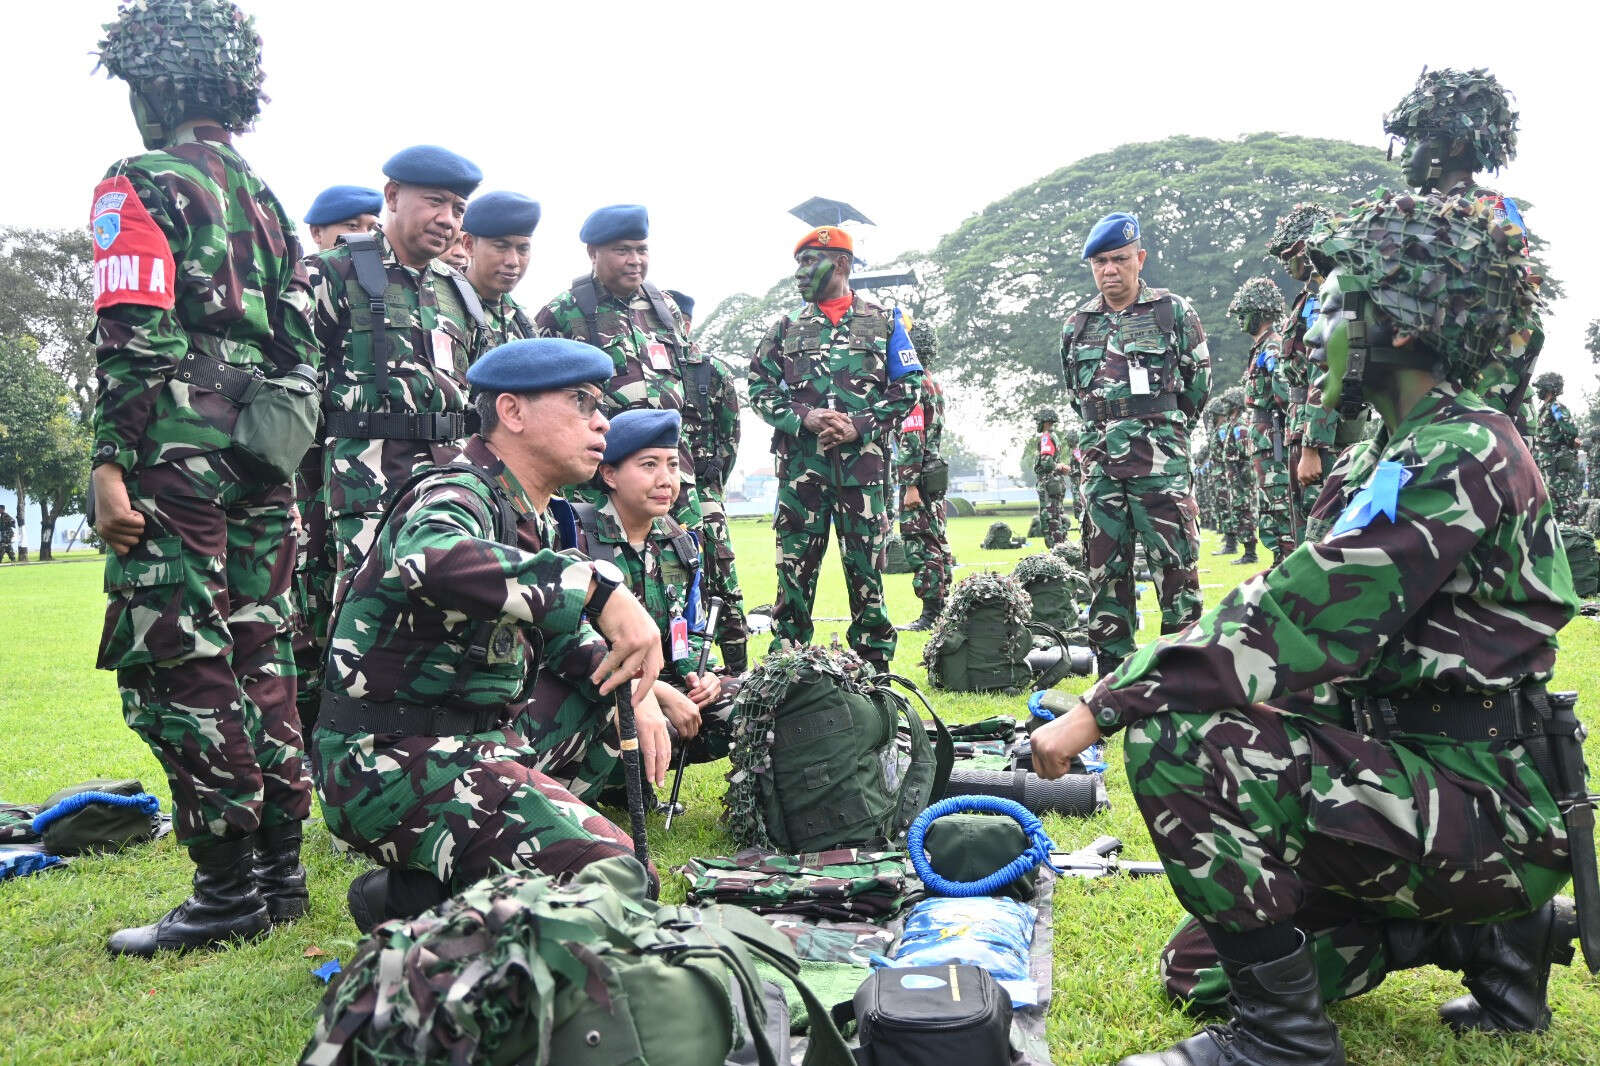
<point x="1381" y="496"/>
<point x="902" y="353"/>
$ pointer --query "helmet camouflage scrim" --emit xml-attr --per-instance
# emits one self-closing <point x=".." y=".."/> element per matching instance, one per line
<point x="1256" y="299"/>
<point x="187" y="59"/>
<point x="1230" y="399"/>
<point x="1454" y="103"/>
<point x="1549" y="381"/>
<point x="1442" y="269"/>
<point x="924" y="340"/>
<point x="1045" y="415"/>
<point x="1295" y="226"/>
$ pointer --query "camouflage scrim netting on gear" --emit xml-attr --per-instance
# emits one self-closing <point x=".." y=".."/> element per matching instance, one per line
<point x="1454" y="103"/>
<point x="1443" y="268"/>
<point x="188" y="58"/>
<point x="1549" y="381"/>
<point x="1071" y="553"/>
<point x="1229" y="400"/>
<point x="985" y="620"/>
<point x="1295" y="226"/>
<point x="1055" y="589"/>
<point x="1259" y="296"/>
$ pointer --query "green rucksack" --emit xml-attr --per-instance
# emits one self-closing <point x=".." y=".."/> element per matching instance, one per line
<point x="894" y="555"/>
<point x="520" y="970"/>
<point x="999" y="538"/>
<point x="1583" y="560"/>
<point x="981" y="641"/>
<point x="816" y="763"/>
<point x="1072" y="553"/>
<point x="113" y="813"/>
<point x="1036" y="527"/>
<point x="1053" y="587"/>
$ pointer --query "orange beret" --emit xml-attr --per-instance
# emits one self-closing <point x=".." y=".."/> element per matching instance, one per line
<point x="830" y="238"/>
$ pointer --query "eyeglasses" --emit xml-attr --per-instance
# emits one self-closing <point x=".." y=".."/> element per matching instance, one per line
<point x="587" y="402"/>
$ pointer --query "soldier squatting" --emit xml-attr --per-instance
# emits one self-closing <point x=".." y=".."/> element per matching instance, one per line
<point x="1378" y="693"/>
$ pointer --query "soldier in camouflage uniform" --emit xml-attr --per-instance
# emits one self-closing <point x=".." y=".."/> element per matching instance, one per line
<point x="8" y="533"/>
<point x="614" y="308"/>
<point x="833" y="379"/>
<point x="498" y="228"/>
<point x="1071" y="439"/>
<point x="1239" y="522"/>
<point x="1139" y="372"/>
<point x="923" y="476"/>
<point x="1050" y="467"/>
<point x="711" y="422"/>
<point x="440" y="760"/>
<point x="1555" y="445"/>
<point x="342" y="209"/>
<point x="1317" y="857"/>
<point x="198" y="291"/>
<point x="1257" y="306"/>
<point x="394" y="371"/>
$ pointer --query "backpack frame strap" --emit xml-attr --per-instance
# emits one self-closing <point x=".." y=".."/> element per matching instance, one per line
<point x="469" y="300"/>
<point x="373" y="277"/>
<point x="588" y="300"/>
<point x="944" y="749"/>
<point x="587" y="517"/>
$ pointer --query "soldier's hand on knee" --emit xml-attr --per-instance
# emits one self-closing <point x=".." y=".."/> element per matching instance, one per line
<point x="655" y="742"/>
<point x="118" y="524"/>
<point x="635" y="641"/>
<point x="1055" y="744"/>
<point x="679" y="709"/>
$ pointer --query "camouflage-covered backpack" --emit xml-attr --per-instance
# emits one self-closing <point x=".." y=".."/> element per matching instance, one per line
<point x="999" y="537"/>
<point x="1072" y="552"/>
<point x="894" y="555"/>
<point x="981" y="642"/>
<point x="1036" y="527"/>
<point x="1583" y="560"/>
<point x="519" y="969"/>
<point x="1054" y="588"/>
<point x="816" y="763"/>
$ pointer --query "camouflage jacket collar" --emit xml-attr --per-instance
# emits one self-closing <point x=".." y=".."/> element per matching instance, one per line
<point x="1427" y="409"/>
<point x="611" y="530"/>
<point x="478" y="453"/>
<point x="201" y="132"/>
<point x="1147" y="295"/>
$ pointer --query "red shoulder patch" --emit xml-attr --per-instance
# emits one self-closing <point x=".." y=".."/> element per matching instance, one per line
<point x="132" y="262"/>
<point x="913" y="422"/>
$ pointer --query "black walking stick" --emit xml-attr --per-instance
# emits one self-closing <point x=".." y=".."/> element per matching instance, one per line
<point x="713" y="615"/>
<point x="628" y="734"/>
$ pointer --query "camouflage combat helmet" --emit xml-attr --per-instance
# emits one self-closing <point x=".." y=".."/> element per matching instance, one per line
<point x="924" y="340"/>
<point x="1454" y="103"/>
<point x="1045" y="415"/>
<point x="1295" y="226"/>
<point x="1071" y="435"/>
<point x="1442" y="268"/>
<point x="1258" y="297"/>
<point x="187" y="59"/>
<point x="1230" y="399"/>
<point x="1549" y="381"/>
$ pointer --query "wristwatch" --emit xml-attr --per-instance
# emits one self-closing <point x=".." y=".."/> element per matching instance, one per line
<point x="607" y="576"/>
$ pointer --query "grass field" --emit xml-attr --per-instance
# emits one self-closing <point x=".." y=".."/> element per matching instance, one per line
<point x="64" y="1000"/>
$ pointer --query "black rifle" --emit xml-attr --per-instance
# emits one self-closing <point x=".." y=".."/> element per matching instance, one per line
<point x="633" y="771"/>
<point x="713" y="615"/>
<point x="1279" y="455"/>
<point x="1102" y="858"/>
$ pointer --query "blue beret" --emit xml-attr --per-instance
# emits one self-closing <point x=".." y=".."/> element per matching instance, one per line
<point x="538" y="364"/>
<point x="685" y="304"/>
<point x="501" y="214"/>
<point x="428" y="164"/>
<point x="339" y="202"/>
<point x="619" y="222"/>
<point x="1113" y="231"/>
<point x="635" y="430"/>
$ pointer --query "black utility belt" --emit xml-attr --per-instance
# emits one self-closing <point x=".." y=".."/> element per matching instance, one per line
<point x="346" y="714"/>
<point x="1098" y="410"/>
<point x="1298" y="393"/>
<point x="237" y="383"/>
<point x="437" y="426"/>
<point x="1468" y="716"/>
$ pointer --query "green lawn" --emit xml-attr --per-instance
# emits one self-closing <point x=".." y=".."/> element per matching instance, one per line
<point x="64" y="1000"/>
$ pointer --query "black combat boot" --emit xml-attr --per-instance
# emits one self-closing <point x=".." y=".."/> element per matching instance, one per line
<point x="1249" y="555"/>
<point x="1278" y="1020"/>
<point x="224" y="905"/>
<point x="280" y="878"/>
<point x="925" y="620"/>
<point x="735" y="656"/>
<point x="1505" y="965"/>
<point x="1230" y="544"/>
<point x="379" y="895"/>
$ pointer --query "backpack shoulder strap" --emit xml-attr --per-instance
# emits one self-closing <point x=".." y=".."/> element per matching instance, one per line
<point x="1165" y="315"/>
<point x="469" y="300"/>
<point x="587" y="517"/>
<point x="588" y="299"/>
<point x="658" y="303"/>
<point x="524" y="325"/>
<point x="373" y="278"/>
<point x="698" y="377"/>
<point x="944" y="750"/>
<point x="684" y="543"/>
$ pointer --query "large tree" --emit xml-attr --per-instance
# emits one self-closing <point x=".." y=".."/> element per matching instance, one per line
<point x="46" y="292"/>
<point x="44" y="446"/>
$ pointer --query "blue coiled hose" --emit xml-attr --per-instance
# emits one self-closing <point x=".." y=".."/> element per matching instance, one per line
<point x="73" y="804"/>
<point x="1039" y="848"/>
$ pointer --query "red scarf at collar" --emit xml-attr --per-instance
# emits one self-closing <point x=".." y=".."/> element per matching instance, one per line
<point x="835" y="309"/>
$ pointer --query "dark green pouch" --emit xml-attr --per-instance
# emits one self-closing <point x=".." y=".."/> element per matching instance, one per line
<point x="98" y="826"/>
<point x="935" y="477"/>
<point x="970" y="847"/>
<point x="278" y="424"/>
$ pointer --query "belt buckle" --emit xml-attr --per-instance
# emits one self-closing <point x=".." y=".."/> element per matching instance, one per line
<point x="436" y="722"/>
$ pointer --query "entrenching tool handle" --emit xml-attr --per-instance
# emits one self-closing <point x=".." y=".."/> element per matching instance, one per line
<point x="713" y="616"/>
<point x="633" y="771"/>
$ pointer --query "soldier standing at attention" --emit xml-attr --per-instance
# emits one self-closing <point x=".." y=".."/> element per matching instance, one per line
<point x="615" y="309"/>
<point x="1555" y="444"/>
<point x="434" y="765"/>
<point x="8" y="534"/>
<point x="198" y="618"/>
<point x="1050" y="467"/>
<point x="342" y="209"/>
<point x="1436" y="825"/>
<point x="711" y="424"/>
<point x="398" y="330"/>
<point x="1138" y="371"/>
<point x="1257" y="306"/>
<point x="499" y="241"/>
<point x="923" y="475"/>
<point x="833" y="378"/>
<point x="1312" y="427"/>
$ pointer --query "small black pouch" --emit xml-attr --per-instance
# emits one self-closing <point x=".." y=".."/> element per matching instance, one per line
<point x="926" y="1014"/>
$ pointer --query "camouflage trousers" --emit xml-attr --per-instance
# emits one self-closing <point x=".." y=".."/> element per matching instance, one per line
<point x="1241" y="517"/>
<point x="1565" y="485"/>
<point x="197" y="629"/>
<point x="808" y="503"/>
<point x="1159" y="513"/>
<point x="7" y="550"/>
<point x="925" y="532"/>
<point x="1053" y="511"/>
<point x="1261" y="818"/>
<point x="1273" y="526"/>
<point x="312" y="589"/>
<point x="721" y="579"/>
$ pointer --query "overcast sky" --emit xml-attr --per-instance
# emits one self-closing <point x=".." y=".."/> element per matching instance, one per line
<point x="721" y="116"/>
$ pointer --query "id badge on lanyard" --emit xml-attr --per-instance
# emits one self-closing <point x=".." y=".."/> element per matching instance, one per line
<point x="679" y="630"/>
<point x="657" y="354"/>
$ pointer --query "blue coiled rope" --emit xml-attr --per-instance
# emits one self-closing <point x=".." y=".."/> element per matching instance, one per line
<point x="1037" y="708"/>
<point x="73" y="804"/>
<point x="1039" y="848"/>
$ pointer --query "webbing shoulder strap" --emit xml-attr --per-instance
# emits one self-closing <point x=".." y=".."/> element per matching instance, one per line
<point x="698" y="376"/>
<point x="658" y="302"/>
<point x="524" y="326"/>
<point x="1166" y="318"/>
<point x="469" y="300"/>
<point x="587" y="516"/>
<point x="374" y="281"/>
<point x="683" y="543"/>
<point x="588" y="300"/>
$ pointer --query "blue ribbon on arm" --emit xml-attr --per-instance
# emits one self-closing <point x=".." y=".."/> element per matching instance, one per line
<point x="902" y="356"/>
<point x="1380" y="496"/>
<point x="1308" y="312"/>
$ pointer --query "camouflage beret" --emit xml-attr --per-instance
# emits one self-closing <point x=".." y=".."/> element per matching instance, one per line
<point x="1549" y="381"/>
<point x="1454" y="103"/>
<point x="188" y="59"/>
<point x="1443" y="268"/>
<point x="1295" y="226"/>
<point x="1257" y="296"/>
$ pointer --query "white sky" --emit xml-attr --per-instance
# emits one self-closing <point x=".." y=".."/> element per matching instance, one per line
<point x="721" y="116"/>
